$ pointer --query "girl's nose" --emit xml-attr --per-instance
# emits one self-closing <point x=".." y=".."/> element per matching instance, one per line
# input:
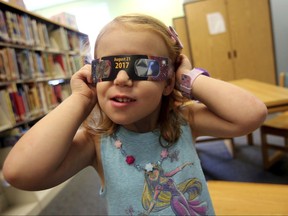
<point x="122" y="79"/>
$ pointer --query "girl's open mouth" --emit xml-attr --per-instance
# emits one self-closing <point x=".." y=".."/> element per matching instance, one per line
<point x="123" y="99"/>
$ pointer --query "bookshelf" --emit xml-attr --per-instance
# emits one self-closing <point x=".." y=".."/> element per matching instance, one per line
<point x="38" y="56"/>
<point x="35" y="53"/>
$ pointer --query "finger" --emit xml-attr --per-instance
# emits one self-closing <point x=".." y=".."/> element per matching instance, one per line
<point x="88" y="73"/>
<point x="84" y="73"/>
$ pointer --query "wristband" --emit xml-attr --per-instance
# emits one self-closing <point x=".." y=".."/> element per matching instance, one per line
<point x="188" y="79"/>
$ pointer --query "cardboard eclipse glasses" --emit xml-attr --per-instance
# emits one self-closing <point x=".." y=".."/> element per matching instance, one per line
<point x="138" y="67"/>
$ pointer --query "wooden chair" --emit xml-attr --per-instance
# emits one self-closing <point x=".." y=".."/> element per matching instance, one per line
<point x="277" y="126"/>
<point x="229" y="143"/>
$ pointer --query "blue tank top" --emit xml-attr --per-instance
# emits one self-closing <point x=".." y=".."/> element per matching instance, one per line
<point x="167" y="182"/>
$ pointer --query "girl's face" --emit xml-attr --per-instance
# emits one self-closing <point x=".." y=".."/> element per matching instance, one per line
<point x="133" y="104"/>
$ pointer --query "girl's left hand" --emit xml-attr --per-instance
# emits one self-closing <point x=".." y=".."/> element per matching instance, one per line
<point x="184" y="67"/>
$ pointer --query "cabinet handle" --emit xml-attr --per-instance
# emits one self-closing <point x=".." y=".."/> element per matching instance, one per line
<point x="229" y="55"/>
<point x="235" y="53"/>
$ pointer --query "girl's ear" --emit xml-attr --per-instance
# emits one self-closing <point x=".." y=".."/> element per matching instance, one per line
<point x="170" y="83"/>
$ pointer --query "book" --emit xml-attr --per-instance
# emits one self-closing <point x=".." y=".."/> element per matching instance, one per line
<point x="6" y="105"/>
<point x="8" y="65"/>
<point x="41" y="35"/>
<point x="47" y="59"/>
<point x="19" y="103"/>
<point x="45" y="35"/>
<point x="60" y="66"/>
<point x="12" y="63"/>
<point x="35" y="33"/>
<point x="28" y="30"/>
<point x="59" y="36"/>
<point x="5" y="68"/>
<point x="4" y="121"/>
<point x="43" y="97"/>
<point x="23" y="97"/>
<point x="66" y="91"/>
<point x="66" y="19"/>
<point x="25" y="64"/>
<point x="35" y="98"/>
<point x="11" y="90"/>
<point x="32" y="98"/>
<point x="18" y="3"/>
<point x="16" y="29"/>
<point x="21" y="27"/>
<point x="74" y="41"/>
<point x="29" y="103"/>
<point x="2" y="66"/>
<point x="10" y="25"/>
<point x="4" y="35"/>
<point x="76" y="62"/>
<point x="50" y="96"/>
<point x="38" y="65"/>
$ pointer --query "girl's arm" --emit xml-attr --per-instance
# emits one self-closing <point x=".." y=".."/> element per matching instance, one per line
<point x="225" y="109"/>
<point x="54" y="149"/>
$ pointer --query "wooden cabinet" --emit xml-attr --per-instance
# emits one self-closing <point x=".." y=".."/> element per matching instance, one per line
<point x="179" y="23"/>
<point x="232" y="39"/>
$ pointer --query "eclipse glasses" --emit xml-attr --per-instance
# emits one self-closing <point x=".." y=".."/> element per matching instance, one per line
<point x="138" y="67"/>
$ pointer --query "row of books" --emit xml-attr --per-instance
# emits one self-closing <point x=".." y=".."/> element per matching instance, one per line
<point x="25" y="30"/>
<point x="20" y="103"/>
<point x="23" y="64"/>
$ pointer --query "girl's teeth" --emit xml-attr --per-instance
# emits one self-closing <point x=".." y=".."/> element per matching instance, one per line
<point x="123" y="100"/>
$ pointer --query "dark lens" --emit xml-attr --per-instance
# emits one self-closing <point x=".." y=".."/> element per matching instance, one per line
<point x="103" y="69"/>
<point x="146" y="67"/>
<point x="153" y="69"/>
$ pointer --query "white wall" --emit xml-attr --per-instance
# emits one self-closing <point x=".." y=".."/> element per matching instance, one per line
<point x="279" y="10"/>
<point x="92" y="15"/>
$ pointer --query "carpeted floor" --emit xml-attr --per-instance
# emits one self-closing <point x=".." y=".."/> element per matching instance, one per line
<point x="218" y="164"/>
<point x="81" y="197"/>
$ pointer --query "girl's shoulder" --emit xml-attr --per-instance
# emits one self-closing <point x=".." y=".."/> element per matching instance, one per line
<point x="93" y="142"/>
<point x="97" y="164"/>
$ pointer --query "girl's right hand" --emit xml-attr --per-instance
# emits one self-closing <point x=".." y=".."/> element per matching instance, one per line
<point x="81" y="83"/>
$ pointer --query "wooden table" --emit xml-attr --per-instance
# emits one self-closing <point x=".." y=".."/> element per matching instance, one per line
<point x="274" y="97"/>
<point x="236" y="198"/>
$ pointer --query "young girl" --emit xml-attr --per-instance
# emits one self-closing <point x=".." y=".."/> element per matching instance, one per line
<point x="138" y="129"/>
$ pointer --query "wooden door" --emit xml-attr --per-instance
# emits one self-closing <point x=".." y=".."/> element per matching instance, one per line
<point x="179" y="24"/>
<point x="251" y="36"/>
<point x="211" y="51"/>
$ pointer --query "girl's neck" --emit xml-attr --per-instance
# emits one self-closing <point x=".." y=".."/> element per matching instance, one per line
<point x="140" y="127"/>
<point x="147" y="124"/>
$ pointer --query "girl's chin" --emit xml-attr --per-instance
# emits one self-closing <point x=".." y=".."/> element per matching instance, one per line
<point x="121" y="121"/>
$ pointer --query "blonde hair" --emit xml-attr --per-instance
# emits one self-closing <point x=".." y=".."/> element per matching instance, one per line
<point x="170" y="118"/>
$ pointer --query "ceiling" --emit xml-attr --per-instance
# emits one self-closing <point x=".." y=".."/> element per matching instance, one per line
<point x="36" y="4"/>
